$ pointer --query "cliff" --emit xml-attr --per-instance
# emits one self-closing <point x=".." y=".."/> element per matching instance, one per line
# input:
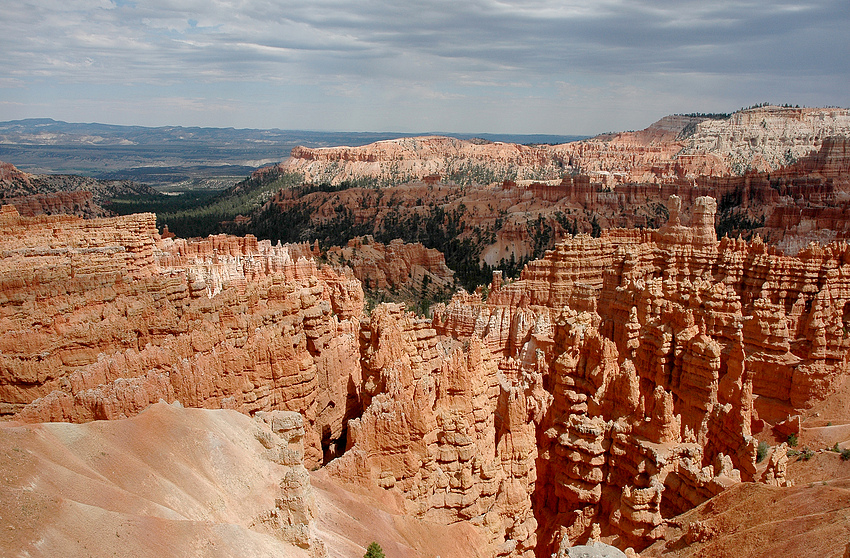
<point x="404" y="159"/>
<point x="102" y="318"/>
<point x="421" y="272"/>
<point x="619" y="382"/>
<point x="674" y="148"/>
<point x="512" y="221"/>
<point x="48" y="194"/>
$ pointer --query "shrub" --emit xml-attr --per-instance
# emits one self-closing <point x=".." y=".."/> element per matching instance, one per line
<point x="374" y="551"/>
<point x="845" y="454"/>
<point x="762" y="450"/>
<point x="792" y="440"/>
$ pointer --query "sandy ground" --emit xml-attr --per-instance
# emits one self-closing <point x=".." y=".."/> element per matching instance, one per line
<point x="756" y="520"/>
<point x="350" y="518"/>
<point x="181" y="482"/>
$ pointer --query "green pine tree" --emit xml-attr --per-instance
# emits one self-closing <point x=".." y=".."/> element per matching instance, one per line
<point x="374" y="551"/>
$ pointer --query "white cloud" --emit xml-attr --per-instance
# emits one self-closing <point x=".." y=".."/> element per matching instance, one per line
<point x="440" y="51"/>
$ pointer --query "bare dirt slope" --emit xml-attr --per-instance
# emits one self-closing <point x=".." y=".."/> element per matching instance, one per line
<point x="350" y="517"/>
<point x="170" y="482"/>
<point x="758" y="521"/>
<point x="177" y="482"/>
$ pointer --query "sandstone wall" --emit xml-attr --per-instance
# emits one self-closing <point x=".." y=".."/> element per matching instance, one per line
<point x="100" y="318"/>
<point x="789" y="207"/>
<point x="617" y="383"/>
<point x="398" y="265"/>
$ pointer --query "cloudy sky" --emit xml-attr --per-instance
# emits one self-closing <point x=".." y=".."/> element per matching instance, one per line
<point x="512" y="66"/>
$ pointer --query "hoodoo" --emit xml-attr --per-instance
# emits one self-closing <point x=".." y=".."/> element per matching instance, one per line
<point x="619" y="382"/>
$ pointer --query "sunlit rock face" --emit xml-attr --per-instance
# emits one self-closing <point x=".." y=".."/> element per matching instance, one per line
<point x="417" y="270"/>
<point x="615" y="384"/>
<point x="676" y="147"/>
<point x="779" y="173"/>
<point x="103" y="317"/>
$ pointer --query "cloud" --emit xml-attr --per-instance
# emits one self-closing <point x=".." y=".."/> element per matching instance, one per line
<point x="433" y="51"/>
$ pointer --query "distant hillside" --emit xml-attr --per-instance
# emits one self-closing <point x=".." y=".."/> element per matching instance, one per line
<point x="761" y="139"/>
<point x="210" y="158"/>
<point x="14" y="182"/>
<point x="46" y="193"/>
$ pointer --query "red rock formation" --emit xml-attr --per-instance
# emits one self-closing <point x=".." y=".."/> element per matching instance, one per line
<point x="419" y="270"/>
<point x="610" y="388"/>
<point x="417" y="158"/>
<point x="79" y="203"/>
<point x="62" y="194"/>
<point x="101" y="318"/>
<point x="615" y="384"/>
<point x="789" y="207"/>
<point x="673" y="149"/>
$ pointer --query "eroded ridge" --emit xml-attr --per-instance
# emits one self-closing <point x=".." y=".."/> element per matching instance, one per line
<point x="616" y="384"/>
<point x="103" y="317"/>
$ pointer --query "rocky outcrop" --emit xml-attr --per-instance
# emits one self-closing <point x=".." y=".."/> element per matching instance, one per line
<point x="418" y="270"/>
<point x="174" y="480"/>
<point x="767" y="138"/>
<point x="78" y="203"/>
<point x="515" y="221"/>
<point x="281" y="433"/>
<point x="614" y="386"/>
<point x="102" y="318"/>
<point x="48" y="194"/>
<point x="404" y="159"/>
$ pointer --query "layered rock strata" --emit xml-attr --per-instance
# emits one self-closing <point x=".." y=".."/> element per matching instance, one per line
<point x="78" y="203"/>
<point x="16" y="183"/>
<point x="515" y="220"/>
<point x="614" y="386"/>
<point x="674" y="148"/>
<point x="420" y="271"/>
<point x="100" y="318"/>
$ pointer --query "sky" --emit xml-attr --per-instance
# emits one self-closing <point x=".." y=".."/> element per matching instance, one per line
<point x="511" y="66"/>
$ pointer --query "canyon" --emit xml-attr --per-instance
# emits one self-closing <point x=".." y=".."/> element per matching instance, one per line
<point x="619" y="382"/>
<point x="506" y="223"/>
<point x="638" y="340"/>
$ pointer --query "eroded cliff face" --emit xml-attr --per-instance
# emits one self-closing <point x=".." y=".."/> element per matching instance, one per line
<point x="674" y="148"/>
<point x="101" y="318"/>
<point x="53" y="194"/>
<point x="766" y="138"/>
<point x="616" y="384"/>
<point x="398" y="265"/>
<point x="514" y="221"/>
<point x="404" y="159"/>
